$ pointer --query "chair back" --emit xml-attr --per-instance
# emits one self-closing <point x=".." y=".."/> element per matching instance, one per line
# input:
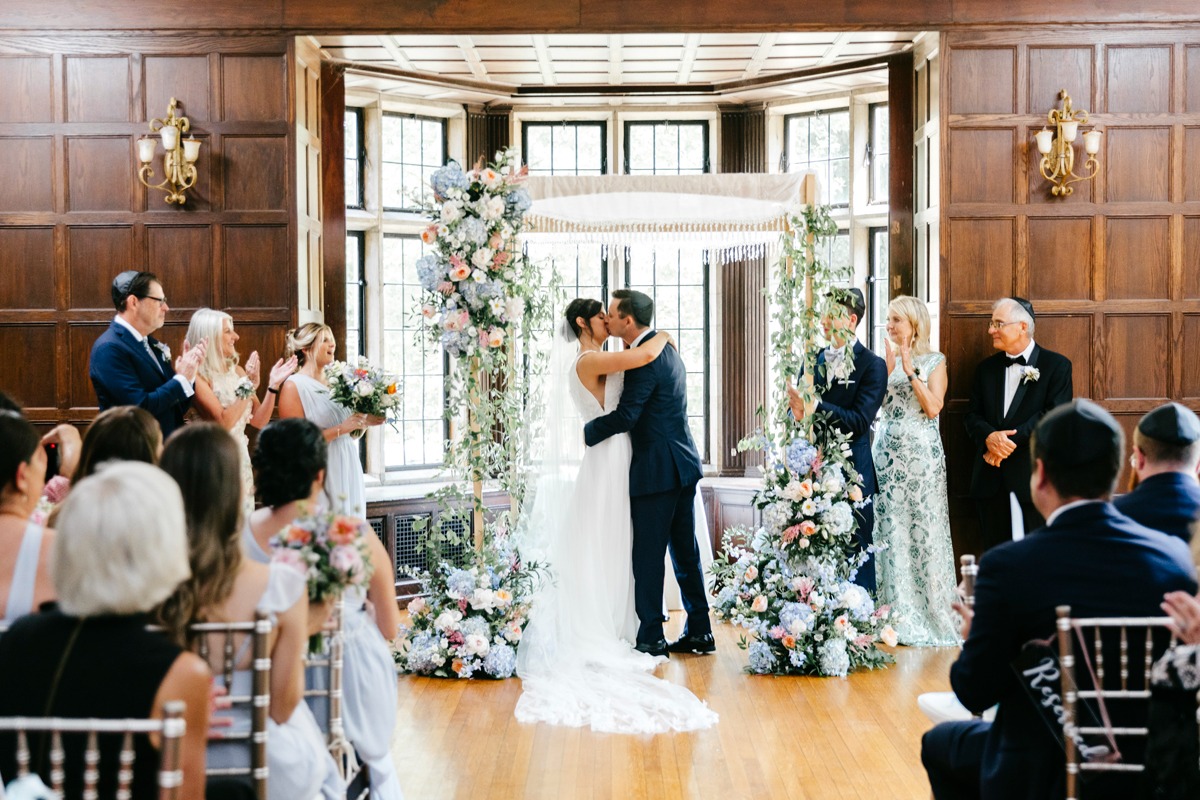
<point x="1082" y="643"/>
<point x="171" y="728"/>
<point x="324" y="680"/>
<point x="969" y="570"/>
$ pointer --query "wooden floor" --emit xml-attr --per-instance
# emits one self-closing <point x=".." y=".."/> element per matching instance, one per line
<point x="778" y="737"/>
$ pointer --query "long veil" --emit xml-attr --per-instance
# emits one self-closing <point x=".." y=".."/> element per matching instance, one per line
<point x="575" y="668"/>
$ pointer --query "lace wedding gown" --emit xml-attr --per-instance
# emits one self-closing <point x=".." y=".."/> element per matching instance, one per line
<point x="916" y="570"/>
<point x="575" y="660"/>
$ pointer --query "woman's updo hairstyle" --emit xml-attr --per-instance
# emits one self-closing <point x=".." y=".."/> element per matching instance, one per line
<point x="302" y="338"/>
<point x="287" y="459"/>
<point x="581" y="307"/>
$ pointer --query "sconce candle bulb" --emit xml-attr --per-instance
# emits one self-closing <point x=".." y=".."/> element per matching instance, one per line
<point x="1058" y="155"/>
<point x="179" y="160"/>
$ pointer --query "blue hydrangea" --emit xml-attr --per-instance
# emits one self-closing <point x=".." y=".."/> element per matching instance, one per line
<point x="430" y="271"/>
<point x="467" y="667"/>
<point x="421" y="654"/>
<point x="518" y="201"/>
<point x="460" y="583"/>
<point x="762" y="660"/>
<point x="501" y="661"/>
<point x="456" y="342"/>
<point x="857" y="601"/>
<point x="493" y="578"/>
<point x="839" y="519"/>
<point x="472" y="293"/>
<point x="800" y="456"/>
<point x="833" y="659"/>
<point x="793" y="613"/>
<point x="797" y="657"/>
<point x="476" y="625"/>
<point x="726" y="597"/>
<point x="473" y="230"/>
<point x="448" y="177"/>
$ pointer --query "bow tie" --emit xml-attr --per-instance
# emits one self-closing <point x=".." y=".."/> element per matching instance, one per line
<point x="1019" y="361"/>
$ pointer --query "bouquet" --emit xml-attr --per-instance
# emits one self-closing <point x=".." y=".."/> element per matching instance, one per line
<point x="363" y="388"/>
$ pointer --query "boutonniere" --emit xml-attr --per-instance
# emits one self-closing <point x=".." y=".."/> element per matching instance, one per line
<point x="837" y="366"/>
<point x="163" y="350"/>
<point x="1030" y="374"/>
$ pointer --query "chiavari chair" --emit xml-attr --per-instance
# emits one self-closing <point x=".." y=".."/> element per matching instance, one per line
<point x="323" y="684"/>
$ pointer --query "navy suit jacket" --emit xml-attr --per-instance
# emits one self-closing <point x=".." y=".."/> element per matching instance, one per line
<point x="653" y="411"/>
<point x="853" y="406"/>
<point x="1094" y="559"/>
<point x="124" y="375"/>
<point x="1167" y="502"/>
<point x="985" y="415"/>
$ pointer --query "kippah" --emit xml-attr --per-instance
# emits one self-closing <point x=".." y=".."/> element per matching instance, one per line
<point x="1078" y="433"/>
<point x="121" y="284"/>
<point x="1025" y="304"/>
<point x="1171" y="424"/>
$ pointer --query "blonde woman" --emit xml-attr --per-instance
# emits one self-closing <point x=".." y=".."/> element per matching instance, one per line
<point x="912" y="519"/>
<point x="221" y="395"/>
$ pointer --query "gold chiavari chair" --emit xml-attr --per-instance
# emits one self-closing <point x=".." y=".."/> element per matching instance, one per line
<point x="324" y="683"/>
<point x="1083" y="640"/>
<point x="944" y="706"/>
<point x="171" y="728"/>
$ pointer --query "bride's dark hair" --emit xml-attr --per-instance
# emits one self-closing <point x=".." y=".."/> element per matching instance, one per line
<point x="582" y="307"/>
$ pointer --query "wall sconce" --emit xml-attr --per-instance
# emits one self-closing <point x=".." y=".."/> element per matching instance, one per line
<point x="179" y="161"/>
<point x="1058" y="154"/>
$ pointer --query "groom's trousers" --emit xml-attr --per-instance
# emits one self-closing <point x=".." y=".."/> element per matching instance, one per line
<point x="666" y="522"/>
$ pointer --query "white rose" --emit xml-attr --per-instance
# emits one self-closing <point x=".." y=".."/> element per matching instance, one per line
<point x="451" y="211"/>
<point x="797" y="627"/>
<point x="482" y="257"/>
<point x="448" y="620"/>
<point x="888" y="634"/>
<point x="792" y="492"/>
<point x="364" y="389"/>
<point x="483" y="599"/>
<point x="514" y="308"/>
<point x="476" y="645"/>
<point x="493" y="208"/>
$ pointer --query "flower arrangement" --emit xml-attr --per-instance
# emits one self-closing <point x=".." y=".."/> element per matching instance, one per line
<point x="474" y="280"/>
<point x="473" y="618"/>
<point x="362" y="387"/>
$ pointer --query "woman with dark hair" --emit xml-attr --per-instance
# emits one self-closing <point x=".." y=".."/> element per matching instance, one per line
<point x="124" y="433"/>
<point x="289" y="471"/>
<point x="25" y="546"/>
<point x="225" y="587"/>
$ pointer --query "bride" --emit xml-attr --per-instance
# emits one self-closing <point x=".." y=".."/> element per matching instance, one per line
<point x="575" y="661"/>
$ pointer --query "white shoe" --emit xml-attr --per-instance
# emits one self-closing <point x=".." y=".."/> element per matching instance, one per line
<point x="944" y="707"/>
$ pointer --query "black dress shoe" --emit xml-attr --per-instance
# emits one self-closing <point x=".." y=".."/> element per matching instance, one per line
<point x="658" y="648"/>
<point x="690" y="643"/>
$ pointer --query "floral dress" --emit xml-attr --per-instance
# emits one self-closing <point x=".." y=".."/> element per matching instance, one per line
<point x="224" y="386"/>
<point x="912" y="518"/>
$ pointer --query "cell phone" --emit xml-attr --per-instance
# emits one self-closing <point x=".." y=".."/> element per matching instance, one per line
<point x="52" y="460"/>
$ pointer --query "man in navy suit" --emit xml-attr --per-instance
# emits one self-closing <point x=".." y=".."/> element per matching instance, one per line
<point x="1013" y="389"/>
<point x="129" y="367"/>
<point x="663" y="474"/>
<point x="1166" y="451"/>
<point x="852" y="400"/>
<point x="1088" y="556"/>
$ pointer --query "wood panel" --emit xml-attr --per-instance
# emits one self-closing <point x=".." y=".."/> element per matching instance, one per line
<point x="185" y="78"/>
<point x="252" y="252"/>
<point x="981" y="166"/>
<point x="98" y="88"/>
<point x="1137" y="164"/>
<point x="1073" y="336"/>
<point x="254" y="88"/>
<point x="1129" y="374"/>
<point x="26" y="375"/>
<point x="27" y="268"/>
<point x="1053" y="68"/>
<point x="1192" y="90"/>
<point x="99" y="173"/>
<point x="183" y="262"/>
<point x="28" y="183"/>
<point x="1060" y="257"/>
<point x="985" y="81"/>
<point x="981" y="258"/>
<point x="255" y="172"/>
<point x="1191" y="257"/>
<point x="1191" y="161"/>
<point x="94" y="252"/>
<point x="1190" y="340"/>
<point x="1139" y="80"/>
<point x="1138" y="263"/>
<point x="34" y="103"/>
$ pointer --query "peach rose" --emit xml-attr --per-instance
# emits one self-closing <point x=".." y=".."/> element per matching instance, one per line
<point x="760" y="604"/>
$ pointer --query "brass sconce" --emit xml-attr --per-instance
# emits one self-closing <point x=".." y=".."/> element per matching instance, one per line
<point x="179" y="160"/>
<point x="1056" y="147"/>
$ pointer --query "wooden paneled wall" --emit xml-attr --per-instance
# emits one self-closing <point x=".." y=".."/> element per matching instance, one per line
<point x="1114" y="269"/>
<point x="73" y="214"/>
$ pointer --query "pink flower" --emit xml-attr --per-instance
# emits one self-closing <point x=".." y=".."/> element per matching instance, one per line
<point x="290" y="558"/>
<point x="459" y="272"/>
<point x="889" y="636"/>
<point x="455" y="637"/>
<point x="489" y="176"/>
<point x="500" y="258"/>
<point x="297" y="535"/>
<point x="496" y="241"/>
<point x="862" y="640"/>
<point x="417" y="606"/>
<point x="790" y="534"/>
<point x="344" y="530"/>
<point x="429" y="235"/>
<point x="346" y="560"/>
<point x="445" y="287"/>
<point x="807" y="528"/>
<point x="777" y="632"/>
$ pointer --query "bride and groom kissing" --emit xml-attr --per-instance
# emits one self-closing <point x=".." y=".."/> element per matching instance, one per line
<point x="608" y="516"/>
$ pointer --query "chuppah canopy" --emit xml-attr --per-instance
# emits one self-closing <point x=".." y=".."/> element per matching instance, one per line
<point x="735" y="214"/>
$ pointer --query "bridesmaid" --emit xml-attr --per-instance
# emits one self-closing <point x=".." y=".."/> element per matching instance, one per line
<point x="306" y="394"/>
<point x="916" y="569"/>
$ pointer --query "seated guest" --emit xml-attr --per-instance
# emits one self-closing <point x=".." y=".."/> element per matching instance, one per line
<point x="225" y="587"/>
<point x="289" y="471"/>
<point x="1166" y="451"/>
<point x="92" y="656"/>
<point x="24" y="544"/>
<point x="124" y="433"/>
<point x="1085" y="550"/>
<point x="68" y="442"/>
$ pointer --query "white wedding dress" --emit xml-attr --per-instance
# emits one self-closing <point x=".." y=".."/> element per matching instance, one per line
<point x="575" y="660"/>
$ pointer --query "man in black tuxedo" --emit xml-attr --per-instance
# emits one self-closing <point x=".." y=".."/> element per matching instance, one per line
<point x="1088" y="556"/>
<point x="663" y="474"/>
<point x="1013" y="389"/>
<point x="129" y="367"/>
<point x="852" y="401"/>
<point x="1166" y="452"/>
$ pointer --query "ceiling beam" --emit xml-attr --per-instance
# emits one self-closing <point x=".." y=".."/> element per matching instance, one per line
<point x="397" y="53"/>
<point x="616" y="66"/>
<point x="467" y="47"/>
<point x="691" y="44"/>
<point x="541" y="49"/>
<point x="761" y="54"/>
<point x="835" y="49"/>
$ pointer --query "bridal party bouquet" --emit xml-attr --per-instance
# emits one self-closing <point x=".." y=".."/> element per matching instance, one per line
<point x="363" y="388"/>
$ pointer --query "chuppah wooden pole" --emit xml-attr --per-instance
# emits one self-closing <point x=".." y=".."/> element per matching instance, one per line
<point x="476" y="454"/>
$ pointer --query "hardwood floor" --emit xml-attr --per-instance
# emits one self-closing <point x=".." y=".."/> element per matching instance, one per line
<point x="807" y="738"/>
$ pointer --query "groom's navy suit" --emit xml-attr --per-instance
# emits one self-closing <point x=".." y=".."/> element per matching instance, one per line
<point x="124" y="374"/>
<point x="853" y="404"/>
<point x="663" y="474"/>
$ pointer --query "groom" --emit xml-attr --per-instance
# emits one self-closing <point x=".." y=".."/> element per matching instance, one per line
<point x="663" y="475"/>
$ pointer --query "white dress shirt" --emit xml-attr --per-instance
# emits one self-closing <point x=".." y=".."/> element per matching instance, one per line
<point x="1012" y="377"/>
<point x="638" y="340"/>
<point x="1056" y="513"/>
<point x="188" y="389"/>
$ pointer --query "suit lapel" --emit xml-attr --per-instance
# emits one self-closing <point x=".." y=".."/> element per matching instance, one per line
<point x="1022" y="385"/>
<point x="136" y="348"/>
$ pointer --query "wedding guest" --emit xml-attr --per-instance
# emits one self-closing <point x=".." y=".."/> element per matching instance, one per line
<point x="1012" y="390"/>
<point x="1086" y="549"/>
<point x="67" y="441"/>
<point x="124" y="433"/>
<point x="225" y="587"/>
<point x="221" y="395"/>
<point x="289" y="465"/>
<point x="129" y="367"/>
<point x="912" y="517"/>
<point x="92" y="656"/>
<point x="25" y="545"/>
<point x="1166" y="453"/>
<point x="852" y="397"/>
<point x="306" y="394"/>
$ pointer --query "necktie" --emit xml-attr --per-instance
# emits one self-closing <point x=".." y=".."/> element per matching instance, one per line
<point x="1018" y="361"/>
<point x="149" y="352"/>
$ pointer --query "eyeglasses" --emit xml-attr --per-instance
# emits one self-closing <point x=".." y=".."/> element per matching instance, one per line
<point x="162" y="300"/>
<point x="998" y="325"/>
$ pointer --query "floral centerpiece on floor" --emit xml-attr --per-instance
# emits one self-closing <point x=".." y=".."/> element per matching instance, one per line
<point x="363" y="388"/>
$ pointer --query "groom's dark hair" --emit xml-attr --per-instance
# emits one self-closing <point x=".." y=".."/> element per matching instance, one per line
<point x="632" y="303"/>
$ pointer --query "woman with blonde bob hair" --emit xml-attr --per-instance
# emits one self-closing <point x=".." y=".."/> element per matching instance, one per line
<point x="120" y="549"/>
<point x="228" y="394"/>
<point x="912" y="517"/>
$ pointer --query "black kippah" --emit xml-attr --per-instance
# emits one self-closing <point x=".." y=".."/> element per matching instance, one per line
<point x="1078" y="433"/>
<point x="1025" y="304"/>
<point x="121" y="284"/>
<point x="1171" y="424"/>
